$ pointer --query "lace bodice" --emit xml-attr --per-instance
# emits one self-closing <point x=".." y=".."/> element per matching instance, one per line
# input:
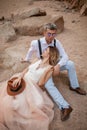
<point x="34" y="73"/>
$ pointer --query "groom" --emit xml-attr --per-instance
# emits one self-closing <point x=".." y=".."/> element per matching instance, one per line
<point x="38" y="46"/>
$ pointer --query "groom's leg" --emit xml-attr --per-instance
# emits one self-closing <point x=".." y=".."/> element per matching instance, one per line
<point x="74" y="85"/>
<point x="71" y="74"/>
<point x="55" y="94"/>
<point x="58" y="99"/>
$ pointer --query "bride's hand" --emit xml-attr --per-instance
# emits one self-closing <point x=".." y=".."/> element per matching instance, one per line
<point x="17" y="82"/>
<point x="56" y="70"/>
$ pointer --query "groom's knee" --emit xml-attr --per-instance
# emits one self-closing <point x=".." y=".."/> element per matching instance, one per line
<point x="70" y="64"/>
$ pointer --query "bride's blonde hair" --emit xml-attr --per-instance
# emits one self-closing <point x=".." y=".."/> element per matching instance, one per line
<point x="53" y="55"/>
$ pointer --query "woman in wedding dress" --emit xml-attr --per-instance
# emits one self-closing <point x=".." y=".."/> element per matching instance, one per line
<point x="31" y="108"/>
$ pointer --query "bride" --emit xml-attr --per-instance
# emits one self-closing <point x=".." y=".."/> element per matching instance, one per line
<point x="24" y="105"/>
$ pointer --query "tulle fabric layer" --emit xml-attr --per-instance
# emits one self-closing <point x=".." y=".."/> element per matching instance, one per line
<point x="30" y="110"/>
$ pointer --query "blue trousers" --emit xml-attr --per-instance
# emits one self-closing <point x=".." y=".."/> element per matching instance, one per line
<point x="53" y="91"/>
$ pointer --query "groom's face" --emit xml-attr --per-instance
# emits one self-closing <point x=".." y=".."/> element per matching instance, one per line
<point x="50" y="35"/>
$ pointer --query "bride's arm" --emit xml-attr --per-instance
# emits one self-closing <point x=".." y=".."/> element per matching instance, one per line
<point x="47" y="74"/>
<point x="23" y="73"/>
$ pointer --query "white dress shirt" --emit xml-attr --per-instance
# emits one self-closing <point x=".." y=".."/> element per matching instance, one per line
<point x="35" y="49"/>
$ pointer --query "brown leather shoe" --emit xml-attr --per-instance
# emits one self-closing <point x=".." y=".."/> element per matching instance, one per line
<point x="65" y="113"/>
<point x="79" y="91"/>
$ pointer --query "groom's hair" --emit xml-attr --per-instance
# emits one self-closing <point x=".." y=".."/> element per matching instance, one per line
<point x="50" y="26"/>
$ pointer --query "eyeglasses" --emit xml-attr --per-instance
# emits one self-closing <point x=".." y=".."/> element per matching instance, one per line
<point x="51" y="34"/>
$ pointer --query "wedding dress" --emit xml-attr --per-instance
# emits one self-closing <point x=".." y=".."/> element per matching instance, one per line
<point x="30" y="110"/>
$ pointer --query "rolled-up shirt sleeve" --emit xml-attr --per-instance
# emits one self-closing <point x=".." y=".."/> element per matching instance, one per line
<point x="63" y="56"/>
<point x="31" y="50"/>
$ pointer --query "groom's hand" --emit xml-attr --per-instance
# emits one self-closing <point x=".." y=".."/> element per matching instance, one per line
<point x="23" y="60"/>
